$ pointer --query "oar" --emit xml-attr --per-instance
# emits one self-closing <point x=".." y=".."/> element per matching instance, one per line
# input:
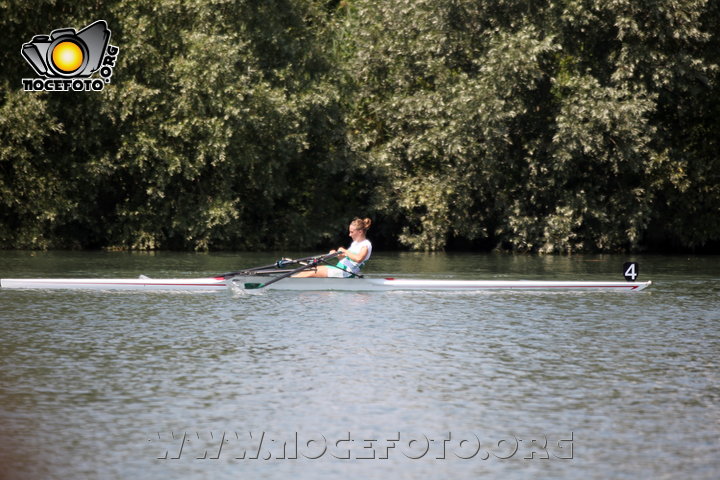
<point x="279" y="264"/>
<point x="313" y="261"/>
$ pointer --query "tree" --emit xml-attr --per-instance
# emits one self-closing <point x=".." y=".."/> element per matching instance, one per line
<point x="222" y="128"/>
<point x="563" y="126"/>
<point x="540" y="126"/>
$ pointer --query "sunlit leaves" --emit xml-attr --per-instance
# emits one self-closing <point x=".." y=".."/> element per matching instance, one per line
<point x="550" y="126"/>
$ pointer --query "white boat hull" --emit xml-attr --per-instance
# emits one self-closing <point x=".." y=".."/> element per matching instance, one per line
<point x="212" y="284"/>
<point x="384" y="284"/>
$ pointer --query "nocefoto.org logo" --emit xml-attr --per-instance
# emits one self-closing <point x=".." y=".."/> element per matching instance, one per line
<point x="67" y="59"/>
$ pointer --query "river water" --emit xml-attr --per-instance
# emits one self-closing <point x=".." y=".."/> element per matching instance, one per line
<point x="326" y="385"/>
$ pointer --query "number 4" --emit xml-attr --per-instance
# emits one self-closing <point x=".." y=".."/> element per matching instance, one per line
<point x="631" y="270"/>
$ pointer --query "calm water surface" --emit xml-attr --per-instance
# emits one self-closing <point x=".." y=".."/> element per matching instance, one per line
<point x="407" y="385"/>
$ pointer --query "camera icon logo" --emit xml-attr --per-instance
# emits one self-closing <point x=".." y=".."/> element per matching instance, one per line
<point x="66" y="59"/>
<point x="67" y="53"/>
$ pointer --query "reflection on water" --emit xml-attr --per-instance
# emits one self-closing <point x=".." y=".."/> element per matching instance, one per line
<point x="103" y="385"/>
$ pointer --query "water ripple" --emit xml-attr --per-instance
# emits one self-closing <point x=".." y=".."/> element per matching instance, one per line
<point x="628" y="376"/>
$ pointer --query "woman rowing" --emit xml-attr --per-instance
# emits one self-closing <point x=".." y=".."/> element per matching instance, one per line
<point x="351" y="259"/>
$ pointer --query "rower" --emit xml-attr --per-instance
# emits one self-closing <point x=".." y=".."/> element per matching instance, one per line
<point x="352" y="259"/>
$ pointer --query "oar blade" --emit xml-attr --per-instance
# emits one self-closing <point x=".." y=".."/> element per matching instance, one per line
<point x="252" y="286"/>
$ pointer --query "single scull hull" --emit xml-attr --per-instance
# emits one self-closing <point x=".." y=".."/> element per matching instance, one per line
<point x="381" y="284"/>
<point x="347" y="284"/>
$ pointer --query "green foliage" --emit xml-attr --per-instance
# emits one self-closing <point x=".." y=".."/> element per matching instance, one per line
<point x="31" y="187"/>
<point x="537" y="126"/>
<point x="222" y="128"/>
<point x="579" y="125"/>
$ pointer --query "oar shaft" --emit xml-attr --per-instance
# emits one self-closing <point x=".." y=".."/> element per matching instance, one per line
<point x="313" y="262"/>
<point x="279" y="264"/>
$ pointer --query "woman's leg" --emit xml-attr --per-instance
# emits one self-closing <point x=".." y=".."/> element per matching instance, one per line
<point x="319" y="271"/>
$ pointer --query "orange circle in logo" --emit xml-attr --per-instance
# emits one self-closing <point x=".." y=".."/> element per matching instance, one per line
<point x="67" y="56"/>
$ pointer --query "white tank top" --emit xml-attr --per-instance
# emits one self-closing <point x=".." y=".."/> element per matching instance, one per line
<point x="354" y="267"/>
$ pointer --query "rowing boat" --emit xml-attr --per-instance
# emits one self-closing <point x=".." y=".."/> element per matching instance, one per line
<point x="380" y="284"/>
<point x="277" y="277"/>
<point x="212" y="284"/>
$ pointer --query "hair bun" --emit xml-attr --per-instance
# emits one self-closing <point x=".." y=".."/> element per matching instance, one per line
<point x="361" y="223"/>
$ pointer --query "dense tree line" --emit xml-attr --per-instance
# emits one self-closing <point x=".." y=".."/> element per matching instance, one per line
<point x="547" y="126"/>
